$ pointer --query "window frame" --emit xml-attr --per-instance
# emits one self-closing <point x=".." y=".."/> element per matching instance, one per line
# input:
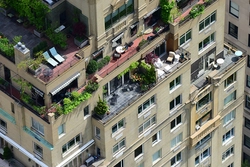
<point x="119" y="126"/>
<point x="177" y="122"/>
<point x="38" y="151"/>
<point x="86" y="111"/>
<point x="203" y="156"/>
<point x="204" y="44"/>
<point x="175" y="83"/>
<point x="177" y="101"/>
<point x="77" y="141"/>
<point x="187" y="37"/>
<point x="35" y="125"/>
<point x="247" y="123"/>
<point x="3" y="125"/>
<point x="230" y="80"/>
<point x="229" y="117"/>
<point x="204" y="101"/>
<point x="228" y="136"/>
<point x="140" y="153"/>
<point x="97" y="135"/>
<point x="203" y="140"/>
<point x="157" y="138"/>
<point x="233" y="30"/>
<point x="176" y="140"/>
<point x="176" y="159"/>
<point x="247" y="143"/>
<point x="231" y="97"/>
<point x="202" y="22"/>
<point x="63" y="129"/>
<point x="120" y="145"/>
<point x="159" y="156"/>
<point x="150" y="122"/>
<point x="228" y="153"/>
<point x="142" y="108"/>
<point x="233" y="7"/>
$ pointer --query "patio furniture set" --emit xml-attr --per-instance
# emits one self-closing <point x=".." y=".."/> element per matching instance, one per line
<point x="121" y="49"/>
<point x="57" y="57"/>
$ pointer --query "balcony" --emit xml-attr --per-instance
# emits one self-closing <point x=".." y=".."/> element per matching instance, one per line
<point x="38" y="137"/>
<point x="204" y="130"/>
<point x="135" y="87"/>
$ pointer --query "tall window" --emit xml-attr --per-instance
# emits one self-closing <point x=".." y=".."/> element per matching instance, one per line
<point x="247" y="102"/>
<point x="247" y="123"/>
<point x="73" y="142"/>
<point x="205" y="154"/>
<point x="97" y="133"/>
<point x="249" y="39"/>
<point x="203" y="44"/>
<point x="37" y="126"/>
<point x="231" y="79"/>
<point x="177" y="140"/>
<point x="207" y="21"/>
<point x="227" y="136"/>
<point x="156" y="156"/>
<point x="174" y="103"/>
<point x="3" y="125"/>
<point x="118" y="146"/>
<point x="227" y="153"/>
<point x="176" y="159"/>
<point x="120" y="164"/>
<point x="120" y="13"/>
<point x="185" y="37"/>
<point x="230" y="98"/>
<point x="61" y="129"/>
<point x="118" y="126"/>
<point x="138" y="151"/>
<point x="38" y="150"/>
<point x="146" y="125"/>
<point x="206" y="99"/>
<point x="204" y="119"/>
<point x="234" y="9"/>
<point x="247" y="141"/>
<point x="148" y="103"/>
<point x="176" y="122"/>
<point x="248" y="81"/>
<point x="86" y="111"/>
<point x="229" y="117"/>
<point x="156" y="137"/>
<point x="176" y="82"/>
<point x="248" y="58"/>
<point x="12" y="108"/>
<point x="233" y="30"/>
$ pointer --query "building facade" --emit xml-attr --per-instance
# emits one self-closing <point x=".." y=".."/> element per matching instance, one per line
<point x="174" y="100"/>
<point x="237" y="32"/>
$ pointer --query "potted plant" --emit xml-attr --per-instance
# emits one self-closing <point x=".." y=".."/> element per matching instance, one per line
<point x="196" y="10"/>
<point x="92" y="67"/>
<point x="79" y="30"/>
<point x="7" y="154"/>
<point x="101" y="107"/>
<point x="141" y="44"/>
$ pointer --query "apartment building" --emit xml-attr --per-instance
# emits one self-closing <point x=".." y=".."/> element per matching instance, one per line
<point x="237" y="32"/>
<point x="177" y="100"/>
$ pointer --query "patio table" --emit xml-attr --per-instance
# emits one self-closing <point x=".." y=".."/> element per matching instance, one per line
<point x="120" y="49"/>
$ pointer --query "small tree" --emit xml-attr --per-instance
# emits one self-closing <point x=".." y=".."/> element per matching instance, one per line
<point x="101" y="107"/>
<point x="7" y="154"/>
<point x="166" y="8"/>
<point x="92" y="67"/>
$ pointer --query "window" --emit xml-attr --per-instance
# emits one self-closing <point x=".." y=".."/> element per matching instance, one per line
<point x="148" y="103"/>
<point x="248" y="58"/>
<point x="234" y="9"/>
<point x="174" y="103"/>
<point x="119" y="14"/>
<point x="204" y="119"/>
<point x="138" y="151"/>
<point x="185" y="37"/>
<point x="97" y="133"/>
<point x="247" y="123"/>
<point x="247" y="102"/>
<point x="231" y="165"/>
<point x="233" y="30"/>
<point x="176" y="122"/>
<point x="248" y="40"/>
<point x="175" y="83"/>
<point x="156" y="156"/>
<point x="203" y="140"/>
<point x="231" y="79"/>
<point x="247" y="141"/>
<point x="230" y="98"/>
<point x="205" y="154"/>
<point x="228" y="135"/>
<point x="118" y="146"/>
<point x="37" y="126"/>
<point x="177" y="140"/>
<point x="229" y="117"/>
<point x="120" y="164"/>
<point x="118" y="126"/>
<point x="86" y="111"/>
<point x="203" y="44"/>
<point x="61" y="129"/>
<point x="228" y="153"/>
<point x="206" y="99"/>
<point x="246" y="157"/>
<point x="207" y="21"/>
<point x="38" y="150"/>
<point x="176" y="159"/>
<point x="248" y="81"/>
<point x="3" y="125"/>
<point x="156" y="137"/>
<point x="73" y="142"/>
<point x="146" y="125"/>
<point x="133" y="29"/>
<point x="12" y="108"/>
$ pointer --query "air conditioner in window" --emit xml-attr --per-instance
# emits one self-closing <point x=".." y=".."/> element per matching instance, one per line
<point x="197" y="127"/>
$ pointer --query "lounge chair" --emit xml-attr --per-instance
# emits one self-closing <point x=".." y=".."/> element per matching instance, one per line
<point x="49" y="59"/>
<point x="171" y="57"/>
<point x="54" y="53"/>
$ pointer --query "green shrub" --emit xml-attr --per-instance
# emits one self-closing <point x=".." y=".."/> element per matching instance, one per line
<point x="101" y="107"/>
<point x="42" y="46"/>
<point x="7" y="154"/>
<point x="92" y="67"/>
<point x="91" y="87"/>
<point x="197" y="10"/>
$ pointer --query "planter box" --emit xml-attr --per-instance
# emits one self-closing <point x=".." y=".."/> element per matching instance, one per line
<point x="34" y="72"/>
<point x="38" y="34"/>
<point x="82" y="43"/>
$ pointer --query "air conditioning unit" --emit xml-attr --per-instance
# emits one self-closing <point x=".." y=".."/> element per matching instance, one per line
<point x="197" y="127"/>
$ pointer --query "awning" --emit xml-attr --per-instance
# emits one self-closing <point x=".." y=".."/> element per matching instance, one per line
<point x="154" y="10"/>
<point x="65" y="83"/>
<point x="22" y="150"/>
<point x="97" y="52"/>
<point x="133" y="25"/>
<point x="40" y="93"/>
<point x="117" y="37"/>
<point x="76" y="153"/>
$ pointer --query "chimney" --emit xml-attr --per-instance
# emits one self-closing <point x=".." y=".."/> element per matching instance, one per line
<point x="21" y="52"/>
